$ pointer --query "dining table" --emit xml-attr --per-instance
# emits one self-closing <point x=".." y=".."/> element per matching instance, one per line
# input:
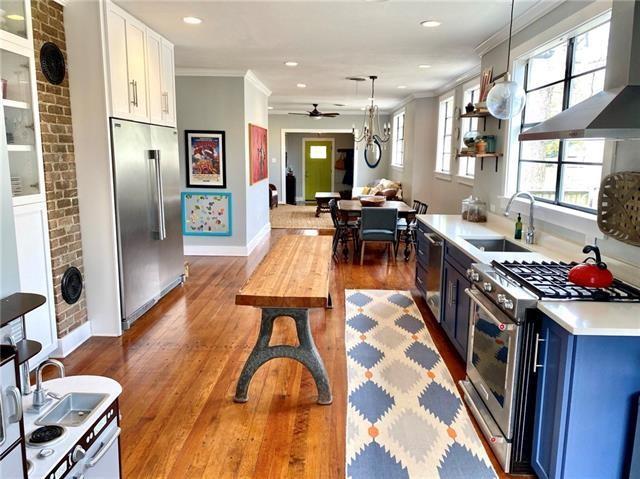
<point x="350" y="209"/>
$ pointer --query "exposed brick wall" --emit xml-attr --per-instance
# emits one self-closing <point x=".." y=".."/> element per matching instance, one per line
<point x="59" y="165"/>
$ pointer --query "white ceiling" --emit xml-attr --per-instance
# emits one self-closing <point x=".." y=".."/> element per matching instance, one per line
<point x="331" y="40"/>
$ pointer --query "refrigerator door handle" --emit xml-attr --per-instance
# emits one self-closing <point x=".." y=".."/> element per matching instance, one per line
<point x="154" y="155"/>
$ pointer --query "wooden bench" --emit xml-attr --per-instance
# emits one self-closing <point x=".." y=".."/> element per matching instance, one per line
<point x="291" y="279"/>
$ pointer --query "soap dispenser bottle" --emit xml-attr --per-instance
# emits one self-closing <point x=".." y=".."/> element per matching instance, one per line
<point x="518" y="233"/>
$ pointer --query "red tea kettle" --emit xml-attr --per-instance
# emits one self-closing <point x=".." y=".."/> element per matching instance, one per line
<point x="593" y="275"/>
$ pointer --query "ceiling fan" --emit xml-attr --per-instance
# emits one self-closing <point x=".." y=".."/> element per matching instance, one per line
<point x="316" y="114"/>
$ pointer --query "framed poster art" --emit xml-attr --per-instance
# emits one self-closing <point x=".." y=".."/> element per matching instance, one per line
<point x="205" y="156"/>
<point x="206" y="213"/>
<point x="258" y="154"/>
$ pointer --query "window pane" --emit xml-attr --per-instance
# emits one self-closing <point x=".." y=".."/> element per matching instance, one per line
<point x="318" y="152"/>
<point x="584" y="151"/>
<point x="546" y="150"/>
<point x="547" y="67"/>
<point x="539" y="179"/>
<point x="580" y="185"/>
<point x="590" y="49"/>
<point x="544" y="103"/>
<point x="585" y="86"/>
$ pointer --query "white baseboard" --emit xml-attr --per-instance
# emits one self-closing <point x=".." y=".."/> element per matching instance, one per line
<point x="217" y="250"/>
<point x="69" y="343"/>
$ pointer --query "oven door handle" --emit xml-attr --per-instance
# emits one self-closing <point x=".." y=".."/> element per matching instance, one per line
<point x="103" y="449"/>
<point x="502" y="326"/>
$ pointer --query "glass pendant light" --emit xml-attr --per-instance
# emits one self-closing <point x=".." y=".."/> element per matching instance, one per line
<point x="506" y="99"/>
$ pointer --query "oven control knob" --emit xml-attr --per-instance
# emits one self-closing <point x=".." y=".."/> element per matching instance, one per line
<point x="508" y="304"/>
<point x="501" y="298"/>
<point x="78" y="454"/>
<point x="473" y="275"/>
<point x="487" y="287"/>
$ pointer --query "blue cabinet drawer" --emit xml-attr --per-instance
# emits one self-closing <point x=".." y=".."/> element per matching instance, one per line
<point x="457" y="258"/>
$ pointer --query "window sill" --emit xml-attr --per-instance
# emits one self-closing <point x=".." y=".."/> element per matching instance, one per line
<point x="397" y="167"/>
<point x="465" y="180"/>
<point x="441" y="175"/>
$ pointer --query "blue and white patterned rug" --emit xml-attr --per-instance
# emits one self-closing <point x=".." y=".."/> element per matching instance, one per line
<point x="405" y="418"/>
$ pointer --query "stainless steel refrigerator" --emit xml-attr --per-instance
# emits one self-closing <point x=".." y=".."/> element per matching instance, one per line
<point x="147" y="197"/>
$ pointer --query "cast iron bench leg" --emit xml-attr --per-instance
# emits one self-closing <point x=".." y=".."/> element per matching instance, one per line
<point x="306" y="353"/>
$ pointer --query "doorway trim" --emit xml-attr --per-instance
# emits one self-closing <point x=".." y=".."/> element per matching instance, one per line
<point x="304" y="162"/>
<point x="283" y="150"/>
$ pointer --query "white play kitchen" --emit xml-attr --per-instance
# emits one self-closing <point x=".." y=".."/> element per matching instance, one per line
<point x="68" y="427"/>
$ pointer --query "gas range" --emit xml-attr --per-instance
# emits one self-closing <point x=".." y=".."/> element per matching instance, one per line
<point x="548" y="280"/>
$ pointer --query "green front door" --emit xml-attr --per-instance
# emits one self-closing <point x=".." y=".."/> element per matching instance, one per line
<point x="318" y="155"/>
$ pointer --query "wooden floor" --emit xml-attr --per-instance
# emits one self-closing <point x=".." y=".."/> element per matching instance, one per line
<point x="178" y="366"/>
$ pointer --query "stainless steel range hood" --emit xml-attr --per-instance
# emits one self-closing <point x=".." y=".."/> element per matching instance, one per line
<point x="614" y="112"/>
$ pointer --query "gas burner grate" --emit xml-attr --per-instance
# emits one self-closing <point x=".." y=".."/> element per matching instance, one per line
<point x="548" y="280"/>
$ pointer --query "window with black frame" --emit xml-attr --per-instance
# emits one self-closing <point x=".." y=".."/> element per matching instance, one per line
<point x="563" y="172"/>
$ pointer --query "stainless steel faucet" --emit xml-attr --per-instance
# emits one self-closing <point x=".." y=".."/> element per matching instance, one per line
<point x="530" y="237"/>
<point x="40" y="398"/>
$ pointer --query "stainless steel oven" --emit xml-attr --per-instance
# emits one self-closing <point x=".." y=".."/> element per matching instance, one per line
<point x="492" y="357"/>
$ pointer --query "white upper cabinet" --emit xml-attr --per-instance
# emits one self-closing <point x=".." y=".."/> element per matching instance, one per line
<point x="139" y="66"/>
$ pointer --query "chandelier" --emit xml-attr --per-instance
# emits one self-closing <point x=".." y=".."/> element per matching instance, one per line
<point x="372" y="135"/>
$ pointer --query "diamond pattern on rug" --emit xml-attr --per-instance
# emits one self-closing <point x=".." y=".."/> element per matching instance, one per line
<point x="362" y="323"/>
<point x="389" y="337"/>
<point x="414" y="433"/>
<point x="441" y="402"/>
<point x="400" y="375"/>
<point x="375" y="462"/>
<point x="410" y="323"/>
<point x="371" y="401"/>
<point x="359" y="299"/>
<point x="405" y="417"/>
<point x="365" y="355"/>
<point x="460" y="463"/>
<point x="422" y="355"/>
<point x="401" y="300"/>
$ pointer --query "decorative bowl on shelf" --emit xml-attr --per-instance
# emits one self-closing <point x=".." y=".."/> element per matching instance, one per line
<point x="469" y="138"/>
<point x="372" y="200"/>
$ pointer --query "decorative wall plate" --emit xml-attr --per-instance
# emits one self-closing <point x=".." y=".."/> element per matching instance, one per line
<point x="52" y="63"/>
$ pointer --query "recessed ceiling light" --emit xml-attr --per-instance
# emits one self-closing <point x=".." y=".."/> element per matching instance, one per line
<point x="269" y="108"/>
<point x="339" y="104"/>
<point x="430" y="23"/>
<point x="192" y="20"/>
<point x="301" y="85"/>
<point x="15" y="16"/>
<point x="363" y="108"/>
<point x="424" y="66"/>
<point x="291" y="64"/>
<point x="402" y="87"/>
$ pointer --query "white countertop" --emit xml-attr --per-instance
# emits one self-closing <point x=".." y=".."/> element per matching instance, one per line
<point x="62" y="386"/>
<point x="577" y="317"/>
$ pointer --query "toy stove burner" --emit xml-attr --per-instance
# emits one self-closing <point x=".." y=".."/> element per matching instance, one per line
<point x="45" y="436"/>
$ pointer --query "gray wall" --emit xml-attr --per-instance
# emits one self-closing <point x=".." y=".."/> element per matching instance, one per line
<point x="278" y="122"/>
<point x="294" y="156"/>
<point x="217" y="103"/>
<point x="9" y="275"/>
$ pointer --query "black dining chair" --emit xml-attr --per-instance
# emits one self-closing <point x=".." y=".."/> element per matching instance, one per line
<point x="407" y="231"/>
<point x="378" y="225"/>
<point x="344" y="230"/>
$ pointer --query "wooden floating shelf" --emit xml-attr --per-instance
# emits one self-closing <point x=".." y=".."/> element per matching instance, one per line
<point x="476" y="114"/>
<point x="16" y="104"/>
<point x="26" y="349"/>
<point x="19" y="304"/>
<point x="19" y="147"/>
<point x="482" y="156"/>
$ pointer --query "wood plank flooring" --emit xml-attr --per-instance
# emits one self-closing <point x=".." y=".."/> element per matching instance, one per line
<point x="178" y="366"/>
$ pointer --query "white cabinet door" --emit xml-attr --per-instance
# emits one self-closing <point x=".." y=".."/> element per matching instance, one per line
<point x="34" y="263"/>
<point x="156" y="94"/>
<point x="136" y="65"/>
<point x="121" y="90"/>
<point x="168" y="84"/>
<point x="12" y="466"/>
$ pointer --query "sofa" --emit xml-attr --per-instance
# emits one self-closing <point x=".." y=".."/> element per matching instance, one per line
<point x="390" y="189"/>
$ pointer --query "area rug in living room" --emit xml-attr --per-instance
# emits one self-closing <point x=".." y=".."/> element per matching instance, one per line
<point x="405" y="417"/>
<point x="299" y="217"/>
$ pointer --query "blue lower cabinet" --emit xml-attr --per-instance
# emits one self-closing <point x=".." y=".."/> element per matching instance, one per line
<point x="455" y="307"/>
<point x="587" y="395"/>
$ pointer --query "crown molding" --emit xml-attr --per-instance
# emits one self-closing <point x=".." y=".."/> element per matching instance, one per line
<point x="255" y="81"/>
<point x="462" y="79"/>
<point x="521" y="22"/>
<point x="208" y="72"/>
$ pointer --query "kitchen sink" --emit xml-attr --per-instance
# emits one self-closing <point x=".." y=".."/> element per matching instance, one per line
<point x="72" y="410"/>
<point x="497" y="244"/>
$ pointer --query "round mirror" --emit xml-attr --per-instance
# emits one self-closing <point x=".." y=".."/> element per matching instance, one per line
<point x="373" y="153"/>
